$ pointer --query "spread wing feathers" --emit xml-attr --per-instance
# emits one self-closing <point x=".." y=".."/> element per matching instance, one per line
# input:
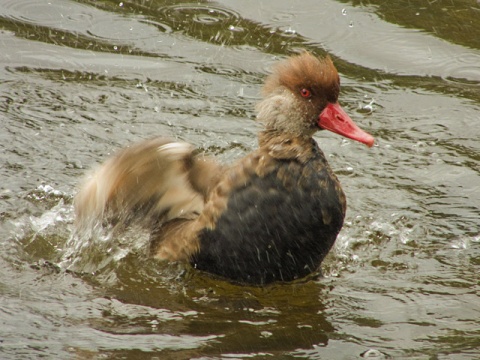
<point x="151" y="182"/>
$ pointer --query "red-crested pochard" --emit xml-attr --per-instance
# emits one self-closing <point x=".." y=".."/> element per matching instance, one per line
<point x="270" y="217"/>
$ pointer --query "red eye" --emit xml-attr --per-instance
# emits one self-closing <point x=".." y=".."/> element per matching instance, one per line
<point x="305" y="93"/>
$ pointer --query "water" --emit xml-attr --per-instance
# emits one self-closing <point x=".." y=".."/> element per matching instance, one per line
<point x="79" y="79"/>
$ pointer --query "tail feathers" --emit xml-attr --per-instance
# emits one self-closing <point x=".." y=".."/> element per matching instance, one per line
<point x="149" y="182"/>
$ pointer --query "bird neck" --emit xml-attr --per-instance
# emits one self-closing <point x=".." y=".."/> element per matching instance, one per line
<point x="274" y="136"/>
<point x="285" y="146"/>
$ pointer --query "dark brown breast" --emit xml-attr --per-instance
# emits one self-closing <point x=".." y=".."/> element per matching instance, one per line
<point x="280" y="223"/>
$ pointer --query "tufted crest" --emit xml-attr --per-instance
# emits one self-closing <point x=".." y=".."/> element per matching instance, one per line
<point x="304" y="70"/>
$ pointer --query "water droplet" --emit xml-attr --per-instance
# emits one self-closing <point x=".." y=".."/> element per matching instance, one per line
<point x="372" y="353"/>
<point x="351" y="24"/>
<point x="235" y="28"/>
<point x="344" y="11"/>
<point x="290" y="31"/>
<point x="121" y="4"/>
<point x="369" y="107"/>
<point x="115" y="47"/>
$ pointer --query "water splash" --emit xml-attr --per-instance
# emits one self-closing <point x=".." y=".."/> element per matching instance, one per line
<point x="96" y="247"/>
<point x="289" y="31"/>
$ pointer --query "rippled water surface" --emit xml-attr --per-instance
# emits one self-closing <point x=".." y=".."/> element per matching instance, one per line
<point x="80" y="79"/>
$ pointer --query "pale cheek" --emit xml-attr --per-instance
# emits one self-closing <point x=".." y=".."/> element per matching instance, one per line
<point x="284" y="112"/>
<point x="282" y="119"/>
<point x="272" y="110"/>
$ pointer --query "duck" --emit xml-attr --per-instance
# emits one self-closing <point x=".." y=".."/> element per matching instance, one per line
<point x="270" y="217"/>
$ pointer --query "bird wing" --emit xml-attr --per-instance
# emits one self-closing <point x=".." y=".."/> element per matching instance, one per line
<point x="150" y="182"/>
